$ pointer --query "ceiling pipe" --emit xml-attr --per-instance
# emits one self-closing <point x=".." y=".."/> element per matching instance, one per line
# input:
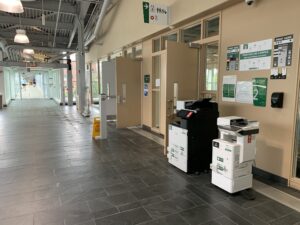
<point x="59" y="57"/>
<point x="3" y="45"/>
<point x="99" y="23"/>
<point x="48" y="49"/>
<point x="56" y="25"/>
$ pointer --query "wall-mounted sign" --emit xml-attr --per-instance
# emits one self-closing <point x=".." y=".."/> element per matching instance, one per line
<point x="156" y="13"/>
<point x="229" y="83"/>
<point x="244" y="92"/>
<point x="260" y="86"/>
<point x="146" y="89"/>
<point x="147" y="79"/>
<point x="283" y="51"/>
<point x="233" y="58"/>
<point x="256" y="55"/>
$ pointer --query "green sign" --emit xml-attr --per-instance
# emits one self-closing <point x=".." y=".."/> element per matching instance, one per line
<point x="254" y="55"/>
<point x="228" y="90"/>
<point x="260" y="86"/>
<point x="146" y="7"/>
<point x="233" y="57"/>
<point x="156" y="13"/>
<point x="147" y="79"/>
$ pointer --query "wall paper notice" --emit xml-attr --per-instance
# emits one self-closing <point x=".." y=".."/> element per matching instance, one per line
<point x="146" y="90"/>
<point x="256" y="55"/>
<point x="283" y="51"/>
<point x="229" y="83"/>
<point x="244" y="92"/>
<point x="233" y="58"/>
<point x="260" y="86"/>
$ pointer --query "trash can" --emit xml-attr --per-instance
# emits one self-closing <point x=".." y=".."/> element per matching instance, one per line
<point x="1" y="102"/>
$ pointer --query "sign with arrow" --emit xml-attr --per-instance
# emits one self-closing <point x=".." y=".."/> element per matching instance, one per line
<point x="155" y="13"/>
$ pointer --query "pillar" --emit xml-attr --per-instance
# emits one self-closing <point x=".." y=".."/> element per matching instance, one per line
<point x="62" y="87"/>
<point x="70" y="85"/>
<point x="81" y="68"/>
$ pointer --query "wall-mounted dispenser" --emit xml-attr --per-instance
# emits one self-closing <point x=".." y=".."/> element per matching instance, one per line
<point x="277" y="100"/>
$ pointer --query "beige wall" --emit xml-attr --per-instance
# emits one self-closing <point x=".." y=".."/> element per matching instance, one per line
<point x="240" y="24"/>
<point x="243" y="24"/>
<point x="124" y="24"/>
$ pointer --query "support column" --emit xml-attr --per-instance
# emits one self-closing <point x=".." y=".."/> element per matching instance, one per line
<point x="62" y="87"/>
<point x="70" y="85"/>
<point x="81" y="68"/>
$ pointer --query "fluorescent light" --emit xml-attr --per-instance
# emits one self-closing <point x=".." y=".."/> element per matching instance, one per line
<point x="11" y="6"/>
<point x="21" y="37"/>
<point x="28" y="51"/>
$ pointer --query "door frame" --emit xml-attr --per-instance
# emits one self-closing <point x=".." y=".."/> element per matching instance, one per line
<point x="294" y="181"/>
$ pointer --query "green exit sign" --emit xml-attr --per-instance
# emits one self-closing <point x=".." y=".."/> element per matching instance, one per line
<point x="147" y="79"/>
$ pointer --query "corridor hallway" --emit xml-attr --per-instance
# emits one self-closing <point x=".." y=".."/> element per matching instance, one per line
<point x="53" y="173"/>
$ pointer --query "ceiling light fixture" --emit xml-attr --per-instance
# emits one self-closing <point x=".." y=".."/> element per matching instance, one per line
<point x="21" y="37"/>
<point x="11" y="6"/>
<point x="28" y="51"/>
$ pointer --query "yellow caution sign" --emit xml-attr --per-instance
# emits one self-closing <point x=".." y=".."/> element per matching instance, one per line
<point x="96" y="127"/>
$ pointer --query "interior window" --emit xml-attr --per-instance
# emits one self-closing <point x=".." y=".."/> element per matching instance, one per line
<point x="212" y="27"/>
<point x="170" y="37"/>
<point x="156" y="45"/>
<point x="192" y="33"/>
<point x="211" y="70"/>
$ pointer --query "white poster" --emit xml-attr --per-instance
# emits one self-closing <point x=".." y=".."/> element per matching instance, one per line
<point x="229" y="83"/>
<point x="244" y="92"/>
<point x="256" y="55"/>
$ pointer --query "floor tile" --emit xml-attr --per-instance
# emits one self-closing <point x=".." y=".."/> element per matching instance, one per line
<point x="131" y="217"/>
<point x="200" y="214"/>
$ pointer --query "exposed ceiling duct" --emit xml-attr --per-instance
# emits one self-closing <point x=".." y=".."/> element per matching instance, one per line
<point x="59" y="31"/>
<point x="99" y="23"/>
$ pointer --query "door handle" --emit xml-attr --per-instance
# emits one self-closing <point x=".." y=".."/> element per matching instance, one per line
<point x="123" y="93"/>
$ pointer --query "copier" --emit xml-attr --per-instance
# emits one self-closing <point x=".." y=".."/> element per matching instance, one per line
<point x="190" y="137"/>
<point x="234" y="153"/>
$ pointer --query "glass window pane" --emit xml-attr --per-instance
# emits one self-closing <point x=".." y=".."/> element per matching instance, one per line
<point x="192" y="34"/>
<point x="212" y="62"/>
<point x="171" y="37"/>
<point x="95" y="82"/>
<point x="156" y="45"/>
<point x="212" y="27"/>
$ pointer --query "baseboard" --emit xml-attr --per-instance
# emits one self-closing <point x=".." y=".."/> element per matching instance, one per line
<point x="269" y="178"/>
<point x="147" y="128"/>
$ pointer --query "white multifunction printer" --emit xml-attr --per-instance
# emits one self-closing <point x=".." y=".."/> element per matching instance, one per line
<point x="234" y="153"/>
<point x="191" y="135"/>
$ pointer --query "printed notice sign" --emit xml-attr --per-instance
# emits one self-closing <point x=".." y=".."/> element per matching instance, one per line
<point x="283" y="51"/>
<point x="256" y="55"/>
<point x="229" y="83"/>
<point x="260" y="86"/>
<point x="156" y="13"/>
<point x="233" y="58"/>
<point x="244" y="92"/>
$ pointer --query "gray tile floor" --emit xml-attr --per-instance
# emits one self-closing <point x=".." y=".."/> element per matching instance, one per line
<point x="52" y="172"/>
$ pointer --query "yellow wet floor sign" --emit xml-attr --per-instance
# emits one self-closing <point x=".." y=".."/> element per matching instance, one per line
<point x="96" y="127"/>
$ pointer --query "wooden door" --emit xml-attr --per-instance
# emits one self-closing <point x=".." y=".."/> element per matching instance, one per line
<point x="128" y="76"/>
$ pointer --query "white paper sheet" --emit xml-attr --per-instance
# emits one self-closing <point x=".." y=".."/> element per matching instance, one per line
<point x="244" y="92"/>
